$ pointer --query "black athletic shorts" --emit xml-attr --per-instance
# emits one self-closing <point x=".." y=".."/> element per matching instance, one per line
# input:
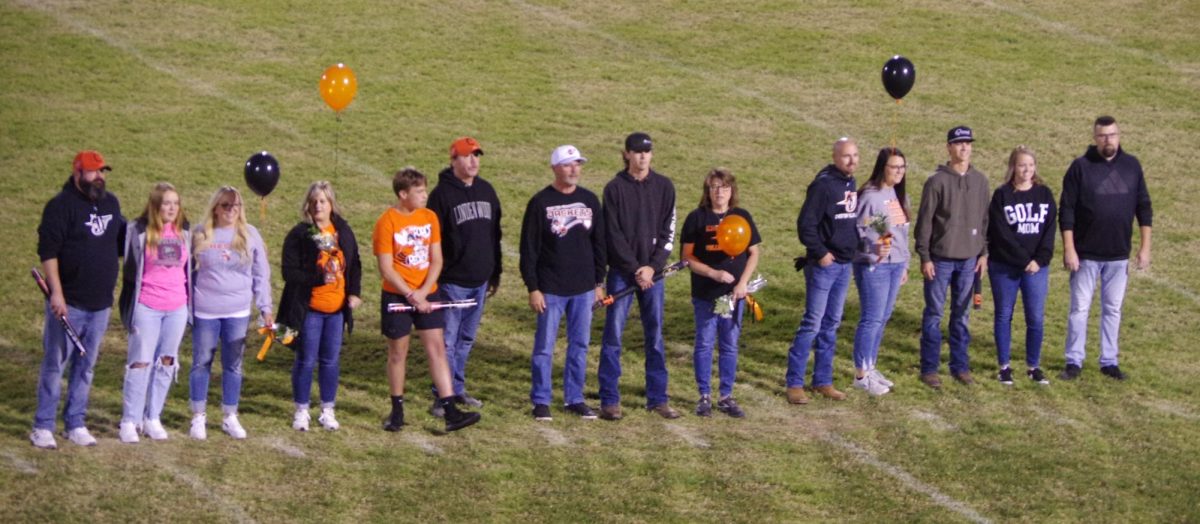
<point x="398" y="325"/>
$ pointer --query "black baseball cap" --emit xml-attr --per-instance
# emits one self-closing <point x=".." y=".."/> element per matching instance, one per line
<point x="960" y="134"/>
<point x="639" y="142"/>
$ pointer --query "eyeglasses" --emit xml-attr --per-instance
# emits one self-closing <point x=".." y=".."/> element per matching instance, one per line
<point x="227" y="205"/>
<point x="900" y="167"/>
<point x="719" y="187"/>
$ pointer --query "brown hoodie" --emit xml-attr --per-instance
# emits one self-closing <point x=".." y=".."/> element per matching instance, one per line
<point x="953" y="217"/>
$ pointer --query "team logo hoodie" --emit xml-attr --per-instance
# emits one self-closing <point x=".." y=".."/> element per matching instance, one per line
<point x="828" y="218"/>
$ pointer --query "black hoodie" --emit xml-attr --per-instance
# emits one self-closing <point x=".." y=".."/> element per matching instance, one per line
<point x="639" y="221"/>
<point x="86" y="237"/>
<point x="1100" y="199"/>
<point x="828" y="219"/>
<point x="470" y="220"/>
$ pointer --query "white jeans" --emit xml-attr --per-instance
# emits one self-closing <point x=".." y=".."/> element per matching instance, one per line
<point x="1113" y="276"/>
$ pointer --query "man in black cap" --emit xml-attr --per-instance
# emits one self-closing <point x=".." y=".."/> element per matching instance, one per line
<point x="639" y="218"/>
<point x="951" y="240"/>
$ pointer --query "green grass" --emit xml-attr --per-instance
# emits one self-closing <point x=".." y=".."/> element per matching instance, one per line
<point x="186" y="92"/>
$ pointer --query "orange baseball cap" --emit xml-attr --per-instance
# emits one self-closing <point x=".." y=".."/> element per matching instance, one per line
<point x="90" y="160"/>
<point x="465" y="146"/>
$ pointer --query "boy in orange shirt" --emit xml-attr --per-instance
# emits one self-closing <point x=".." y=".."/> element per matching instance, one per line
<point x="408" y="246"/>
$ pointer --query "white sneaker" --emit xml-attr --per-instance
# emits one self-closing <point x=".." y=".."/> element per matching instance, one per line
<point x="871" y="386"/>
<point x="300" y="420"/>
<point x="128" y="432"/>
<point x="43" y="438"/>
<point x="81" y="437"/>
<point x="327" y="420"/>
<point x="198" y="431"/>
<point x="234" y="428"/>
<point x="154" y="429"/>
<point x="878" y="377"/>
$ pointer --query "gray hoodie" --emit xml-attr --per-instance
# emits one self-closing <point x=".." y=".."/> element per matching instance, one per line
<point x="952" y="221"/>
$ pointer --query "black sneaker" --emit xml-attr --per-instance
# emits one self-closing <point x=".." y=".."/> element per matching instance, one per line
<point x="730" y="407"/>
<point x="395" y="420"/>
<point x="1006" y="376"/>
<point x="1071" y="372"/>
<point x="460" y="419"/>
<point x="582" y="410"/>
<point x="1036" y="375"/>
<point x="542" y="412"/>
<point x="704" y="406"/>
<point x="1113" y="372"/>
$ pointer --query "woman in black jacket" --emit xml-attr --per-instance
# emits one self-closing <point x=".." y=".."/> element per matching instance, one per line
<point x="322" y="278"/>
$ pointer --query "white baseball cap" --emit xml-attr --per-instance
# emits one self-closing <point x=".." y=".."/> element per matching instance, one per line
<point x="565" y="155"/>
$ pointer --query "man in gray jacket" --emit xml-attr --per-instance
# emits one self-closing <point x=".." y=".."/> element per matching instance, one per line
<point x="951" y="241"/>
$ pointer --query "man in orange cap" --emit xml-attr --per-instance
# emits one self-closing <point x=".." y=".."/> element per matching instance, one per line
<point x="79" y="242"/>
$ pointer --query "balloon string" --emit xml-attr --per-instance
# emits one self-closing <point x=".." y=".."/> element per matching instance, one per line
<point x="894" y="111"/>
<point x="337" y="139"/>
<point x="262" y="211"/>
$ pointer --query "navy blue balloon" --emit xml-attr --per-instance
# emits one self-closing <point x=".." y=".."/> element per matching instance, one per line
<point x="898" y="76"/>
<point x="262" y="173"/>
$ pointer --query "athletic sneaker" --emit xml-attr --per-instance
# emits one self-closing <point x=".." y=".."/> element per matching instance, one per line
<point x="128" y="432"/>
<point x="873" y="387"/>
<point x="300" y="420"/>
<point x="395" y="420"/>
<point x="81" y="437"/>
<point x="468" y="400"/>
<point x="1006" y="376"/>
<point x="1036" y="375"/>
<point x="1113" y="372"/>
<point x="729" y="406"/>
<point x="231" y="425"/>
<point x="198" y="431"/>
<point x="582" y="410"/>
<point x="542" y="412"/>
<point x="43" y="439"/>
<point x="456" y="420"/>
<point x="328" y="420"/>
<point x="154" y="429"/>
<point x="1071" y="372"/>
<point x="704" y="406"/>
<point x="878" y="377"/>
<point x="437" y="410"/>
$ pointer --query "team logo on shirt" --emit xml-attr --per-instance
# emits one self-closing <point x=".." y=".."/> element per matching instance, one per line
<point x="98" y="223"/>
<point x="1028" y="221"/>
<point x="412" y="246"/>
<point x="849" y="203"/>
<point x="563" y="218"/>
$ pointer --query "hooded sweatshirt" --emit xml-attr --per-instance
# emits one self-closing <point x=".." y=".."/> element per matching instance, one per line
<point x="1021" y="225"/>
<point x="470" y="220"/>
<point x="827" y="219"/>
<point x="87" y="238"/>
<point x="639" y="221"/>
<point x="953" y="218"/>
<point x="1100" y="199"/>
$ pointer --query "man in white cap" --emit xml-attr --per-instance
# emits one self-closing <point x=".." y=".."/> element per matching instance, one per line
<point x="562" y="264"/>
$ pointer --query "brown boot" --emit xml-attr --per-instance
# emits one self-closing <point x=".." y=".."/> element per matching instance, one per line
<point x="664" y="410"/>
<point x="612" y="412"/>
<point x="932" y="380"/>
<point x="797" y="395"/>
<point x="829" y="392"/>
<point x="963" y="378"/>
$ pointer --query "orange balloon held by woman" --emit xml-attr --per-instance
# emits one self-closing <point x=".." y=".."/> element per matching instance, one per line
<point x="733" y="235"/>
<point x="338" y="86"/>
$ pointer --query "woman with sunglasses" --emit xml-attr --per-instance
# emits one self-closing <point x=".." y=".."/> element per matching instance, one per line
<point x="231" y="271"/>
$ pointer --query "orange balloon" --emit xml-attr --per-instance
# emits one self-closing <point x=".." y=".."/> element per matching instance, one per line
<point x="733" y="235"/>
<point x="338" y="86"/>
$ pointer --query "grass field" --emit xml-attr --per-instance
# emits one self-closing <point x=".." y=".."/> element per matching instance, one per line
<point x="186" y="92"/>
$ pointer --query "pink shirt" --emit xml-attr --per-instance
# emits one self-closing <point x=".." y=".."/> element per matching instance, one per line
<point x="164" y="286"/>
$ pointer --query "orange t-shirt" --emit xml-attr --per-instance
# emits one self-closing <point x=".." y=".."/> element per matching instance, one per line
<point x="329" y="297"/>
<point x="407" y="238"/>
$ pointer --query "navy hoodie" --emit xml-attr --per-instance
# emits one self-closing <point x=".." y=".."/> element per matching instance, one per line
<point x="827" y="221"/>
<point x="1100" y="199"/>
<point x="470" y="220"/>
<point x="86" y="237"/>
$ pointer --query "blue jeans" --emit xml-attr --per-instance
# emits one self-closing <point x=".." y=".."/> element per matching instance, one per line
<point x="153" y="338"/>
<point x="90" y="326"/>
<point x="1006" y="281"/>
<point x="959" y="275"/>
<point x="461" y="325"/>
<point x="1113" y="277"/>
<point x="578" y="310"/>
<point x="231" y="332"/>
<point x="711" y="329"/>
<point x="878" y="286"/>
<point x="825" y="295"/>
<point x="650" y="307"/>
<point x="320" y="347"/>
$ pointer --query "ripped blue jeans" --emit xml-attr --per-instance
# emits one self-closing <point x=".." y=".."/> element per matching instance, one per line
<point x="152" y="362"/>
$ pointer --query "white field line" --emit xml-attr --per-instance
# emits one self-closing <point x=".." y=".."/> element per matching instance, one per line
<point x="20" y="464"/>
<point x="1172" y="408"/>
<point x="935" y="421"/>
<point x="230" y="510"/>
<point x="424" y="443"/>
<point x="553" y="436"/>
<point x="285" y="448"/>
<point x="688" y="436"/>
<point x="1169" y="284"/>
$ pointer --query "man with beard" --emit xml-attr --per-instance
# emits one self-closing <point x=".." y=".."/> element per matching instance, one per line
<point x="79" y="242"/>
<point x="1103" y="191"/>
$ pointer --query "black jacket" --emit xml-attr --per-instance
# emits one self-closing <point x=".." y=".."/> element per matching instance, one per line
<point x="828" y="218"/>
<point x="470" y="220"/>
<point x="87" y="238"/>
<point x="1021" y="226"/>
<point x="1100" y="199"/>
<point x="301" y="274"/>
<point x="639" y="221"/>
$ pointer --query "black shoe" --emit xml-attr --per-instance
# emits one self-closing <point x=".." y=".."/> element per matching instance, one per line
<point x="730" y="407"/>
<point x="1006" y="376"/>
<point x="395" y="420"/>
<point x="582" y="410"/>
<point x="704" y="406"/>
<point x="542" y="412"/>
<point x="1071" y="372"/>
<point x="461" y="419"/>
<point x="1113" y="372"/>
<point x="1036" y="375"/>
